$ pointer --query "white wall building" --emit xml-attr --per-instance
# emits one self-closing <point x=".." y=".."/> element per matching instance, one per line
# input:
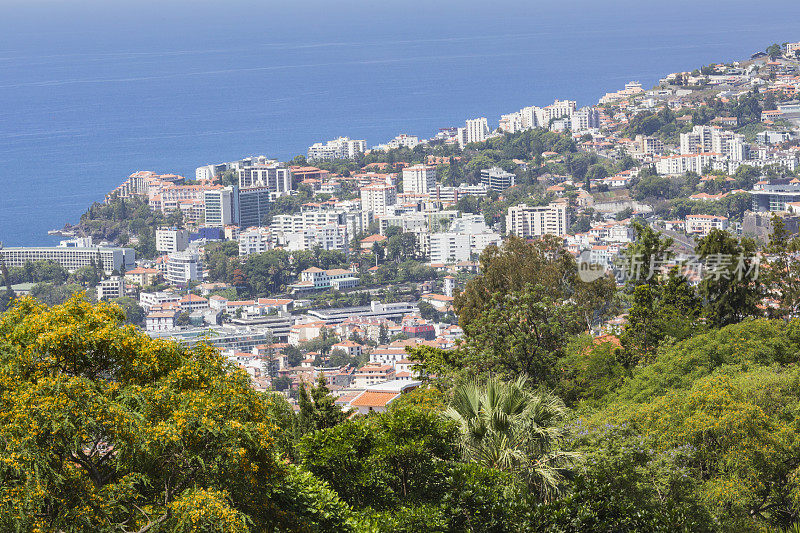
<point x="419" y="179"/>
<point x="113" y="287"/>
<point x="533" y="221"/>
<point x="274" y="176"/>
<point x="497" y="179"/>
<point x="255" y="241"/>
<point x="476" y="130"/>
<point x="376" y="199"/>
<point x="221" y="207"/>
<point x="340" y="148"/>
<point x="184" y="267"/>
<point x="170" y="240"/>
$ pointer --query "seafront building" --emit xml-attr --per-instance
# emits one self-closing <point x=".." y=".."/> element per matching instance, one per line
<point x="72" y="258"/>
<point x="340" y="148"/>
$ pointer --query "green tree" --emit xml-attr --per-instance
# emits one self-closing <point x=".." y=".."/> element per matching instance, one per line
<point x="731" y="288"/>
<point x="134" y="313"/>
<point x="505" y="426"/>
<point x="318" y="409"/>
<point x="523" y="332"/>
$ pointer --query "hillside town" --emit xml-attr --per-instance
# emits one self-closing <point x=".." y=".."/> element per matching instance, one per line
<point x="333" y="264"/>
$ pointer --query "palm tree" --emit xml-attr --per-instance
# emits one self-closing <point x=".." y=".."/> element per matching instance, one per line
<point x="506" y="426"/>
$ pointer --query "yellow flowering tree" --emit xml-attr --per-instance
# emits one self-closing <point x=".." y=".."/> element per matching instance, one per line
<point x="105" y="429"/>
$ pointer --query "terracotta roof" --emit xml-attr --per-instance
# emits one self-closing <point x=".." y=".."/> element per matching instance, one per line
<point x="374" y="399"/>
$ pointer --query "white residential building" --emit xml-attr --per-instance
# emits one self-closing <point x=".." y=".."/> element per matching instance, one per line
<point x="327" y="237"/>
<point x="449" y="248"/>
<point x="254" y="241"/>
<point x="703" y="224"/>
<point x="340" y="148"/>
<point x="376" y="199"/>
<point x="586" y="118"/>
<point x="273" y="175"/>
<point x="497" y="179"/>
<point x="184" y="267"/>
<point x="533" y="221"/>
<point x="401" y="141"/>
<point x="221" y="207"/>
<point x="170" y="240"/>
<point x="419" y="179"/>
<point x="475" y="131"/>
<point x="113" y="287"/>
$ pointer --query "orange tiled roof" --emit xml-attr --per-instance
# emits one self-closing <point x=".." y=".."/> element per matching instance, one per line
<point x="374" y="399"/>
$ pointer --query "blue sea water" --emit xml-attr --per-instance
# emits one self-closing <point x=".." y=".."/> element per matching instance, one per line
<point x="92" y="91"/>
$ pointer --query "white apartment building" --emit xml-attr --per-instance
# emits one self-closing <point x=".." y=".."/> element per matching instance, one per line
<point x="480" y="190"/>
<point x="586" y="118"/>
<point x="327" y="237"/>
<point x="476" y="130"/>
<point x="154" y="299"/>
<point x="401" y="141"/>
<point x="680" y="164"/>
<point x="712" y="139"/>
<point x="419" y="179"/>
<point x="254" y="241"/>
<point x="72" y="257"/>
<point x="449" y="248"/>
<point x="184" y="267"/>
<point x="340" y="148"/>
<point x="273" y="176"/>
<point x="170" y="240"/>
<point x="297" y="223"/>
<point x="534" y="221"/>
<point x="113" y="287"/>
<point x="703" y="224"/>
<point x="497" y="179"/>
<point x="376" y="199"/>
<point x="221" y="207"/>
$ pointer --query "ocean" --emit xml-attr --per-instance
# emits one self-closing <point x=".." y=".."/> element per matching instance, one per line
<point x="93" y="91"/>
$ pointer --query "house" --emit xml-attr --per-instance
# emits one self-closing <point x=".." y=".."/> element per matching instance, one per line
<point x="314" y="278"/>
<point x="353" y="349"/>
<point x="305" y="332"/>
<point x="368" y="242"/>
<point x="375" y="399"/>
<point x="440" y="302"/>
<point x="369" y="375"/>
<point x="162" y="320"/>
<point x="142" y="276"/>
<point x="703" y="224"/>
<point x="192" y="302"/>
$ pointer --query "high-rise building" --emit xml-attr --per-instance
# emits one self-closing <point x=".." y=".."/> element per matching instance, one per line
<point x="376" y="199"/>
<point x="254" y="204"/>
<point x="221" y="207"/>
<point x="171" y="239"/>
<point x="585" y="118"/>
<point x="476" y="130"/>
<point x="534" y="221"/>
<point x="449" y="248"/>
<point x="184" y="267"/>
<point x="497" y="179"/>
<point x="419" y="179"/>
<point x="275" y="177"/>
